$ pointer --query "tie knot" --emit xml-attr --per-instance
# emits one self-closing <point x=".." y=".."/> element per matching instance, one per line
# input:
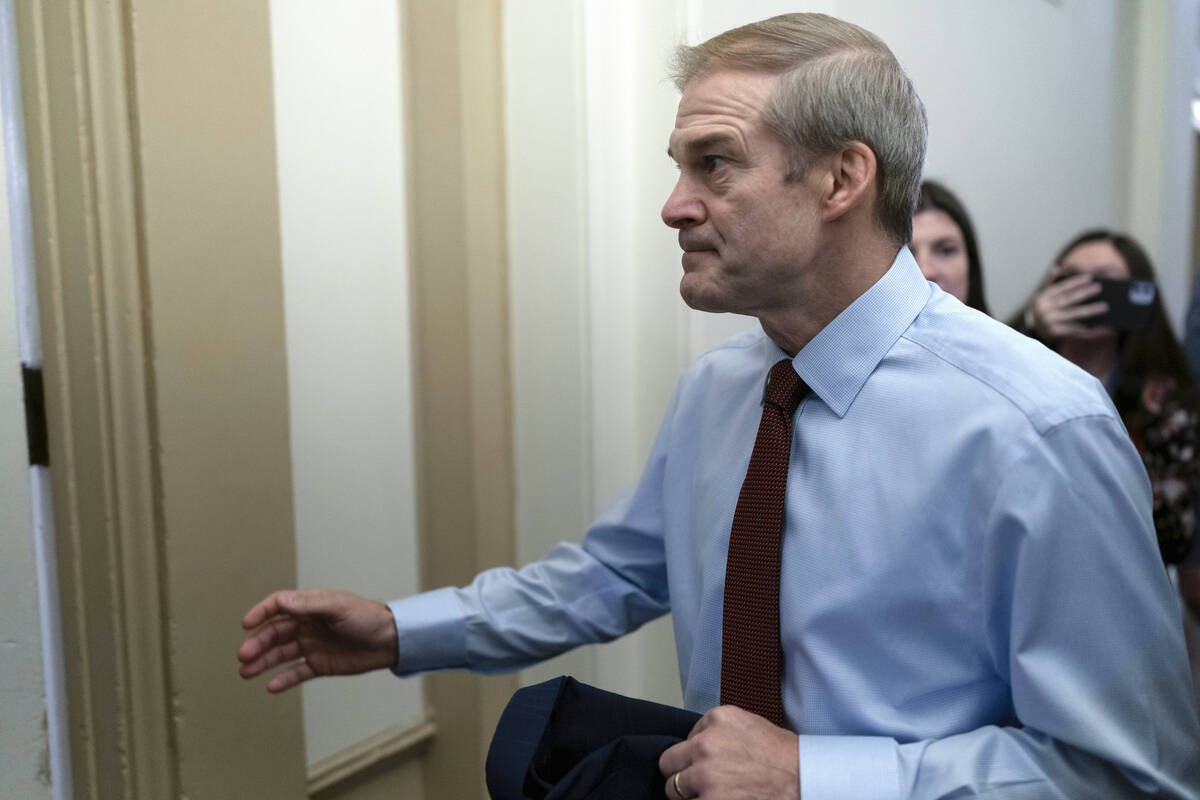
<point x="785" y="390"/>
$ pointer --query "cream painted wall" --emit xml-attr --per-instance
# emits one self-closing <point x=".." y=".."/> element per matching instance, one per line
<point x="1031" y="120"/>
<point x="339" y="123"/>
<point x="24" y="752"/>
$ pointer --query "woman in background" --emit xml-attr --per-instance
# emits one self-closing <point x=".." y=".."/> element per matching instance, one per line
<point x="1145" y="372"/>
<point x="943" y="242"/>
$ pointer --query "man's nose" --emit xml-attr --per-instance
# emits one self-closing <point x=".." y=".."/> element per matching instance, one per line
<point x="683" y="209"/>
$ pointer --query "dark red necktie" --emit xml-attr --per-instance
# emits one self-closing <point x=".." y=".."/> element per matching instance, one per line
<point x="751" y="656"/>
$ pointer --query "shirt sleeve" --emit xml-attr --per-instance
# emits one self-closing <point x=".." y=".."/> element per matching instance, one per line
<point x="1083" y="625"/>
<point x="508" y="619"/>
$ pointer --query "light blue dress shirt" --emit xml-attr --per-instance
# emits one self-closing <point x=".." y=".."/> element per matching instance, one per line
<point x="972" y="602"/>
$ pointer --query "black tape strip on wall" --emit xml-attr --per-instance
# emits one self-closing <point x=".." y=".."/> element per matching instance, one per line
<point x="35" y="417"/>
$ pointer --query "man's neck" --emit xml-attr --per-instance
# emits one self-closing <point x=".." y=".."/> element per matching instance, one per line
<point x="837" y="280"/>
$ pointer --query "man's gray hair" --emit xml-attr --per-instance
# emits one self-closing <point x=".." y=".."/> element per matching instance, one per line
<point x="838" y="83"/>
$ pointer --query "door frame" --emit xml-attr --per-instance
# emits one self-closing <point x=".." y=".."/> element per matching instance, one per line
<point x="118" y="355"/>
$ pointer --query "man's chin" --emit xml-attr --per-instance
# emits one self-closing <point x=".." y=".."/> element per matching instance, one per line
<point x="696" y="297"/>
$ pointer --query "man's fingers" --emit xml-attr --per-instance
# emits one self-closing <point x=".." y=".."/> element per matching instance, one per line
<point x="675" y="758"/>
<point x="295" y="675"/>
<point x="262" y="611"/>
<point x="276" y="655"/>
<point x="701" y="724"/>
<point x="678" y="788"/>
<point x="293" y="602"/>
<point x="278" y="631"/>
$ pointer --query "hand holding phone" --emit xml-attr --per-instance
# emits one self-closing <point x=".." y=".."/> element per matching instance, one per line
<point x="1063" y="302"/>
<point x="1127" y="304"/>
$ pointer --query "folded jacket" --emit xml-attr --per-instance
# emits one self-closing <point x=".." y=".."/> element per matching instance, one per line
<point x="564" y="740"/>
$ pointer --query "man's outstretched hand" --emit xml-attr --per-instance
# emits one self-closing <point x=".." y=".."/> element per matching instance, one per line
<point x="316" y="632"/>
<point x="732" y="754"/>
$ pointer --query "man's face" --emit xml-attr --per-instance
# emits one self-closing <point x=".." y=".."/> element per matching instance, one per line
<point x="747" y="235"/>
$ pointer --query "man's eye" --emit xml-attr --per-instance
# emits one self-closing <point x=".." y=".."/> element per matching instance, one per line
<point x="712" y="163"/>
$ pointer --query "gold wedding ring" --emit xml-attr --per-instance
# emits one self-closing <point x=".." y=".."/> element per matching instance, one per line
<point x="678" y="791"/>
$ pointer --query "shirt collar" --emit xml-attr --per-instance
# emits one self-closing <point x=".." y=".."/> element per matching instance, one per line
<point x="837" y="361"/>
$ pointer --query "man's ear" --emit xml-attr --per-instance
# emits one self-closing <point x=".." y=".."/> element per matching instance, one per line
<point x="850" y="180"/>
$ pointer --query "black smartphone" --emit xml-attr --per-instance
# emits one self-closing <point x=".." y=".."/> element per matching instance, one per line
<point x="1129" y="302"/>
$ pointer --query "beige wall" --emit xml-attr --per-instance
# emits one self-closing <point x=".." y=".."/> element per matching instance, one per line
<point x="460" y="291"/>
<point x="215" y="311"/>
<point x="156" y="237"/>
<point x="156" y="203"/>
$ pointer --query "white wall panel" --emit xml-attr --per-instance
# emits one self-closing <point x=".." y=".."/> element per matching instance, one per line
<point x="548" y="256"/>
<point x="339" y="123"/>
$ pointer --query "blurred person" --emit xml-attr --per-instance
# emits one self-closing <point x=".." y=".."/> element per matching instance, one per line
<point x="1189" y="572"/>
<point x="1191" y="326"/>
<point x="1145" y="371"/>
<point x="944" y="244"/>
<point x="874" y="521"/>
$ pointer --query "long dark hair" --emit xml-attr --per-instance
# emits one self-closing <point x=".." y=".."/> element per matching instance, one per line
<point x="937" y="197"/>
<point x="1151" y="353"/>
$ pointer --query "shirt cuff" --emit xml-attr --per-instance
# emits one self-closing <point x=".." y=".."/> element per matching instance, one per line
<point x="849" y="768"/>
<point x="430" y="632"/>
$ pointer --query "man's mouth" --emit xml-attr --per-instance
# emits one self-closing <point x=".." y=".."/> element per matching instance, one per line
<point x="693" y="244"/>
<point x="692" y="257"/>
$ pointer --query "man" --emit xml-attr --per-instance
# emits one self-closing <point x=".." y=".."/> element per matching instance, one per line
<point x="964" y="596"/>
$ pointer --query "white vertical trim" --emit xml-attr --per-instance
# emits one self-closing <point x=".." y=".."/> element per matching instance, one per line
<point x="609" y="125"/>
<point x="1178" y="217"/>
<point x="549" y="294"/>
<point x="1161" y="143"/>
<point x="29" y="344"/>
<point x="582" y="163"/>
<point x="17" y="176"/>
<point x="61" y="780"/>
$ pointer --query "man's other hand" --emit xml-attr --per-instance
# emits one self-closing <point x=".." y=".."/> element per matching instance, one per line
<point x="316" y="632"/>
<point x="732" y="754"/>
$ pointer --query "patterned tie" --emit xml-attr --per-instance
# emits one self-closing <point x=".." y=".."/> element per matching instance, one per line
<point x="751" y="656"/>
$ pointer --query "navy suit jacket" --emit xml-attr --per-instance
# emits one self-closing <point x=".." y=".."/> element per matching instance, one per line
<point x="564" y="740"/>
